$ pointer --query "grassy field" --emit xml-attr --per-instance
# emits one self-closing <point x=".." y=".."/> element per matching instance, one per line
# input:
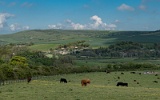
<point x="105" y="61"/>
<point x="43" y="47"/>
<point x="102" y="87"/>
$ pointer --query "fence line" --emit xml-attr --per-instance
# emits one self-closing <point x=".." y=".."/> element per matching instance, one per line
<point x="6" y="82"/>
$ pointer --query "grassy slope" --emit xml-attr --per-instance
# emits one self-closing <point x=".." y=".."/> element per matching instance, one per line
<point x="137" y="36"/>
<point x="52" y="36"/>
<point x="94" y="38"/>
<point x="56" y="37"/>
<point x="42" y="47"/>
<point x="102" y="87"/>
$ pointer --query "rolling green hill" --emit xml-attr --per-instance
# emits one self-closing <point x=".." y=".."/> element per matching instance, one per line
<point x="93" y="37"/>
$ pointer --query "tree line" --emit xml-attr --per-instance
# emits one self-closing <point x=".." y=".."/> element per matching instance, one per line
<point x="124" y="49"/>
<point x="18" y="62"/>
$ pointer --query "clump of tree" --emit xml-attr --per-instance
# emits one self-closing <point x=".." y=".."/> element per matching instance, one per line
<point x="123" y="49"/>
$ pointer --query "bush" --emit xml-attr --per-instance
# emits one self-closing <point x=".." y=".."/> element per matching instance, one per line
<point x="7" y="71"/>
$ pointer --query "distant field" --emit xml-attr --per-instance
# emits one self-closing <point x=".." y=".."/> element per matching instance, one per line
<point x="43" y="47"/>
<point x="102" y="87"/>
<point x="93" y="42"/>
<point x="105" y="61"/>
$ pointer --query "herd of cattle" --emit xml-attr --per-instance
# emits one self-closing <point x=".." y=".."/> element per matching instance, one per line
<point x="84" y="82"/>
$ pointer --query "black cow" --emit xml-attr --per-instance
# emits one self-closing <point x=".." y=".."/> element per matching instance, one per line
<point x="156" y="74"/>
<point x="122" y="73"/>
<point x="133" y="72"/>
<point x="155" y="81"/>
<point x="63" y="80"/>
<point x="118" y="77"/>
<point x="29" y="79"/>
<point x="122" y="84"/>
<point x="108" y="72"/>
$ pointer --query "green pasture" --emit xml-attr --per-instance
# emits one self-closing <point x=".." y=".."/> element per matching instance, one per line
<point x="102" y="87"/>
<point x="105" y="61"/>
<point x="93" y="42"/>
<point x="43" y="47"/>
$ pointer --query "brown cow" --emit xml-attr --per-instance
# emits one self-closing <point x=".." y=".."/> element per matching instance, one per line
<point x="84" y="82"/>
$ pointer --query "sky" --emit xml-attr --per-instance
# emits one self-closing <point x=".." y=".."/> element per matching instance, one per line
<point x="120" y="15"/>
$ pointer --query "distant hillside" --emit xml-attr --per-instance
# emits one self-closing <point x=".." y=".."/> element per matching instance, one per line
<point x="94" y="38"/>
<point x="137" y="36"/>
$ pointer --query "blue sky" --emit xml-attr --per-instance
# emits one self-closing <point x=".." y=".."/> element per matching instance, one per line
<point x="19" y="15"/>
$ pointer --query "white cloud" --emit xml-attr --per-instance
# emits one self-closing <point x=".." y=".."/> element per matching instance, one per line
<point x="58" y="26"/>
<point x="25" y="27"/>
<point x="52" y="26"/>
<point x="117" y="21"/>
<point x="3" y="19"/>
<point x="68" y="21"/>
<point x="75" y="26"/>
<point x="70" y="25"/>
<point x="110" y="27"/>
<point x="14" y="27"/>
<point x="125" y="7"/>
<point x="142" y="7"/>
<point x="97" y="24"/>
<point x="17" y="27"/>
<point x="97" y="21"/>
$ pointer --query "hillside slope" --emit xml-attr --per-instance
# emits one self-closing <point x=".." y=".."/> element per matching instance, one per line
<point x="94" y="38"/>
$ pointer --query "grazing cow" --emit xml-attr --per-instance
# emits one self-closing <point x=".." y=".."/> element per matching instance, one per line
<point x="29" y="79"/>
<point x="122" y="84"/>
<point x="107" y="72"/>
<point x="134" y="80"/>
<point x="84" y="82"/>
<point x="118" y="77"/>
<point x="63" y="80"/>
<point x="122" y="73"/>
<point x="156" y="74"/>
<point x="155" y="81"/>
<point x="133" y="72"/>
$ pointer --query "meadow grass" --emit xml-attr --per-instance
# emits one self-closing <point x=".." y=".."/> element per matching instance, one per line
<point x="102" y="87"/>
<point x="43" y="47"/>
